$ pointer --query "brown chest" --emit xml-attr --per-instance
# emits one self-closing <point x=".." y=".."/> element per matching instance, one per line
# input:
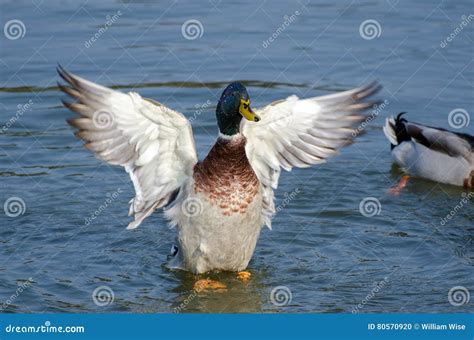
<point x="226" y="176"/>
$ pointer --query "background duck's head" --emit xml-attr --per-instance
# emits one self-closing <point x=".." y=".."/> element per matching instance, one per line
<point x="233" y="105"/>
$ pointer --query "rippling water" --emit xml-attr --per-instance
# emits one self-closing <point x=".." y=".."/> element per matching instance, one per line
<point x="328" y="255"/>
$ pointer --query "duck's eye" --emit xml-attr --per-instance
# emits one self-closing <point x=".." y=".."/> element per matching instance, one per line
<point x="246" y="106"/>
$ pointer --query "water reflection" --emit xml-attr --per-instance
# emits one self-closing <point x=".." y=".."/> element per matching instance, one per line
<point x="238" y="297"/>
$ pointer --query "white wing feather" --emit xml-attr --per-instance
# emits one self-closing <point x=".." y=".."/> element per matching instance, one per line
<point x="300" y="132"/>
<point x="153" y="143"/>
<point x="389" y="130"/>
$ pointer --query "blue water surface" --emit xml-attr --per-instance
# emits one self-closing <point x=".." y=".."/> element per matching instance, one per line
<point x="328" y="256"/>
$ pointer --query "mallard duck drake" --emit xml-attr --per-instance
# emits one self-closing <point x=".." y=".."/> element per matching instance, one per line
<point x="218" y="205"/>
<point x="432" y="153"/>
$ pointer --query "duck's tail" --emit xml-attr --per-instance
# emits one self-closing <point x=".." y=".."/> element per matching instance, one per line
<point x="395" y="130"/>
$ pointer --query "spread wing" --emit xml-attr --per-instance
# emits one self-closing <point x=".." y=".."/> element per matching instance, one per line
<point x="153" y="143"/>
<point x="297" y="132"/>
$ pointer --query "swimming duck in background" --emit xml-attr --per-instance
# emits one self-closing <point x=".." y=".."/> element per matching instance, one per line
<point x="218" y="205"/>
<point x="433" y="153"/>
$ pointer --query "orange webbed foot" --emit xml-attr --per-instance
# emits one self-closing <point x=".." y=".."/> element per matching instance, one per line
<point x="244" y="276"/>
<point x="208" y="284"/>
<point x="396" y="190"/>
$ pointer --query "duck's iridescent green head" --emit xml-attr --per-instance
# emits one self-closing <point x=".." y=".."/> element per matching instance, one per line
<point x="233" y="105"/>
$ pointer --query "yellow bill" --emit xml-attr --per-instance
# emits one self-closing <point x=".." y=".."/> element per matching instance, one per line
<point x="247" y="112"/>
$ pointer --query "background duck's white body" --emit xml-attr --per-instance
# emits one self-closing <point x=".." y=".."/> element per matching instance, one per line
<point x="418" y="160"/>
<point x="432" y="153"/>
